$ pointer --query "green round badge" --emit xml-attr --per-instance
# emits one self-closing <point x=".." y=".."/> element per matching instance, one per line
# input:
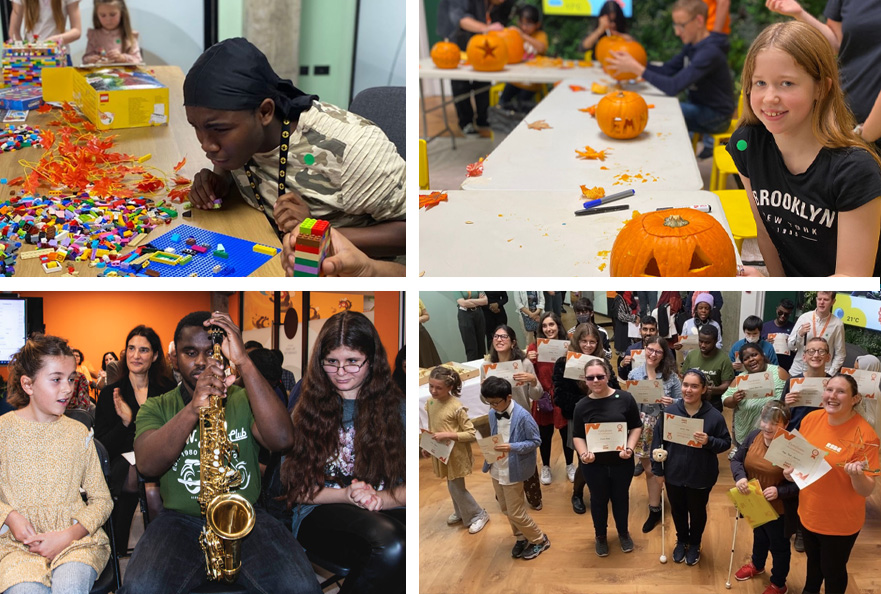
<point x="741" y="145"/>
<point x="309" y="159"/>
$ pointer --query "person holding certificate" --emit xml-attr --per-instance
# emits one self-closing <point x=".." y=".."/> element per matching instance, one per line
<point x="746" y="410"/>
<point x="607" y="428"/>
<point x="833" y="508"/>
<point x="448" y="421"/>
<point x="525" y="389"/>
<point x="551" y="332"/>
<point x="815" y="356"/>
<point x="660" y="363"/>
<point x="749" y="463"/>
<point x="692" y="465"/>
<point x="703" y="308"/>
<point x="586" y="339"/>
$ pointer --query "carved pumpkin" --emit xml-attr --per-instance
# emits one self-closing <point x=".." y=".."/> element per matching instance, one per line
<point x="676" y="242"/>
<point x="622" y="114"/>
<point x="445" y="54"/>
<point x="631" y="47"/>
<point x="513" y="44"/>
<point x="487" y="53"/>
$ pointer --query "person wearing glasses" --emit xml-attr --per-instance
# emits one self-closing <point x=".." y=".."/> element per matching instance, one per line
<point x="781" y="324"/>
<point x="819" y="322"/>
<point x="608" y="474"/>
<point x="660" y="364"/>
<point x="526" y="388"/>
<point x="345" y="474"/>
<point x="701" y="69"/>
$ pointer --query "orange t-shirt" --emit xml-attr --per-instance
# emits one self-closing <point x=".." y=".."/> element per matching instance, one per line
<point x="711" y="17"/>
<point x="830" y="505"/>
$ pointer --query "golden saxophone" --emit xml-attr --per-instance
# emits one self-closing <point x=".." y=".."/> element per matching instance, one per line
<point x="229" y="517"/>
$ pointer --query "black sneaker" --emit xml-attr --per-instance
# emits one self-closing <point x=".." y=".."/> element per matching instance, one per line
<point x="799" y="544"/>
<point x="578" y="504"/>
<point x="470" y="130"/>
<point x="638" y="469"/>
<point x="602" y="546"/>
<point x="706" y="153"/>
<point x="534" y="550"/>
<point x="626" y="543"/>
<point x="652" y="520"/>
<point x="693" y="555"/>
<point x="679" y="552"/>
<point x="519" y="547"/>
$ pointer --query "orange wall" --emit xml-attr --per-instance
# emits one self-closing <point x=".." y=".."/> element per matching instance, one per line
<point x="97" y="322"/>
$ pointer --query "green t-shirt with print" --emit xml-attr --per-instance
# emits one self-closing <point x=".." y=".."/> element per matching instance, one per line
<point x="717" y="368"/>
<point x="179" y="486"/>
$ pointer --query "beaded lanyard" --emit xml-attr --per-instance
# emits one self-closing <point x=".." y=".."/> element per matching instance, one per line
<point x="282" y="171"/>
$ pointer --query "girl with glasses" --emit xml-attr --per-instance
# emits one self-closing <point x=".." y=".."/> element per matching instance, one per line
<point x="608" y="474"/>
<point x="816" y="355"/>
<point x="568" y="392"/>
<point x="524" y="390"/>
<point x="345" y="474"/>
<point x="660" y="364"/>
<point x="690" y="471"/>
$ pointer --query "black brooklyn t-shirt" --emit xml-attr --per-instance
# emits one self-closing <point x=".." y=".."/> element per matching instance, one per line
<point x="620" y="407"/>
<point x="800" y="212"/>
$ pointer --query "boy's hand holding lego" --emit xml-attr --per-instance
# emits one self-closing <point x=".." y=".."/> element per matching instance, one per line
<point x="290" y="210"/>
<point x="207" y="189"/>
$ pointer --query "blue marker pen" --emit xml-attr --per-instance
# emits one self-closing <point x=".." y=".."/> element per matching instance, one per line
<point x="607" y="199"/>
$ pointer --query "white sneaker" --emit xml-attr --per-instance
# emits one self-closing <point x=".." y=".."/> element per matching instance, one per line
<point x="453" y="519"/>
<point x="478" y="524"/>
<point x="570" y="472"/>
<point x="545" y="475"/>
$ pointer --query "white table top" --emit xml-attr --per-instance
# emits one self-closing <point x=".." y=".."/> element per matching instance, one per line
<point x="511" y="73"/>
<point x="546" y="160"/>
<point x="533" y="233"/>
<point x="470" y="397"/>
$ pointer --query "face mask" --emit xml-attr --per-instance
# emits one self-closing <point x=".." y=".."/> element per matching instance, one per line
<point x="583" y="318"/>
<point x="751" y="339"/>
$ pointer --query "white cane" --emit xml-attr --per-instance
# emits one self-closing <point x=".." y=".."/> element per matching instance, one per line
<point x="660" y="455"/>
<point x="733" y="540"/>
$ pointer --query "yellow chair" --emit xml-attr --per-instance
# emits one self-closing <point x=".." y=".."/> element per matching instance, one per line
<point x="723" y="166"/>
<point x="495" y="92"/>
<point x="423" y="165"/>
<point x="722" y="137"/>
<point x="735" y="203"/>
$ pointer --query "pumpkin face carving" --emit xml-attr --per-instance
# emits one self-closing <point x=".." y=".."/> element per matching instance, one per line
<point x="445" y="54"/>
<point x="487" y="53"/>
<point x="622" y="114"/>
<point x="513" y="44"/>
<point x="676" y="242"/>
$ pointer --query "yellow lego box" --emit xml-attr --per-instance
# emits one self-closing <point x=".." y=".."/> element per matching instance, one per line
<point x="111" y="97"/>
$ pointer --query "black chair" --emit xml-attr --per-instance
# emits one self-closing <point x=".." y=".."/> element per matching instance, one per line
<point x="385" y="107"/>
<point x="109" y="580"/>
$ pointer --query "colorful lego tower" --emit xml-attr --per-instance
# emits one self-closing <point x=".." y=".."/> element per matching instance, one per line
<point x="313" y="241"/>
<point x="23" y="60"/>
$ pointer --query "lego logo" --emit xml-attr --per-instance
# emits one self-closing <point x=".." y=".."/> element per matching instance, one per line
<point x="105" y="97"/>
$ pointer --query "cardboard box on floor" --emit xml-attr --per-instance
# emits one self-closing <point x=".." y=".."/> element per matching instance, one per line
<point x="111" y="98"/>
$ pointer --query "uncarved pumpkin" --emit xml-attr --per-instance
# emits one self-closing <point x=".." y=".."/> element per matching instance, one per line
<point x="675" y="242"/>
<point x="631" y="47"/>
<point x="602" y="47"/>
<point x="622" y="114"/>
<point x="513" y="44"/>
<point x="487" y="53"/>
<point x="445" y="54"/>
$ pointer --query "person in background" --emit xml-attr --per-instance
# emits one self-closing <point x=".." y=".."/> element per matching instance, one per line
<point x="84" y="368"/>
<point x="112" y="39"/>
<point x="669" y="306"/>
<point x="44" y="24"/>
<point x="703" y="308"/>
<point x="471" y="323"/>
<point x="288" y="379"/>
<point x="494" y="314"/>
<point x="752" y="333"/>
<point x="521" y="96"/>
<point x="610" y="21"/>
<point x="267" y="364"/>
<point x="823" y="323"/>
<point x="400" y="373"/>
<point x="583" y="308"/>
<point x="781" y="324"/>
<point x="648" y="327"/>
<point x="625" y="310"/>
<point x="428" y="355"/>
<point x="108" y="358"/>
<point x="530" y="304"/>
<point x="713" y="363"/>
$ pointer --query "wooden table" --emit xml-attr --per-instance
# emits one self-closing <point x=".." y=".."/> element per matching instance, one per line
<point x="168" y="145"/>
<point x="531" y="159"/>
<point x="532" y="233"/>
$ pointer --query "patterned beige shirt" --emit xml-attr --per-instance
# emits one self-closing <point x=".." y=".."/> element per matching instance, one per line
<point x="42" y="467"/>
<point x="357" y="177"/>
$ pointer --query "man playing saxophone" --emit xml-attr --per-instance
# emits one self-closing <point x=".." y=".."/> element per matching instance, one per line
<point x="167" y="444"/>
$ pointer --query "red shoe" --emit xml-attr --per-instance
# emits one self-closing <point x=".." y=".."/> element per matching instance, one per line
<point x="772" y="589"/>
<point x="749" y="571"/>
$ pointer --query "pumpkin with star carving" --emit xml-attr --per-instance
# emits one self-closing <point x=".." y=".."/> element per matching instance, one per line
<point x="487" y="53"/>
<point x="673" y="242"/>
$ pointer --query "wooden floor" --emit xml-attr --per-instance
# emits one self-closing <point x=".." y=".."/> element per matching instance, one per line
<point x="452" y="561"/>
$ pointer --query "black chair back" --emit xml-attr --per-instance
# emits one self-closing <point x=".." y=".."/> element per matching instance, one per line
<point x="385" y="107"/>
<point x="109" y="580"/>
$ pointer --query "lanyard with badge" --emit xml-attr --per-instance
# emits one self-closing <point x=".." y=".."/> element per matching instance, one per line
<point x="282" y="172"/>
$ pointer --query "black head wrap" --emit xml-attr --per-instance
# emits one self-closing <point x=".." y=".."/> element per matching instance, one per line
<point x="234" y="75"/>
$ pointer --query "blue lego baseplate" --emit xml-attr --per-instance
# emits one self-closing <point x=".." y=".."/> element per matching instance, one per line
<point x="242" y="260"/>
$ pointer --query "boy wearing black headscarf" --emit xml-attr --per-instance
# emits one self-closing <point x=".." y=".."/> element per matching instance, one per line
<point x="291" y="155"/>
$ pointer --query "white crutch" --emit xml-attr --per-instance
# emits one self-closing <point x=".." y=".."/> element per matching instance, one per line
<point x="733" y="540"/>
<point x="660" y="455"/>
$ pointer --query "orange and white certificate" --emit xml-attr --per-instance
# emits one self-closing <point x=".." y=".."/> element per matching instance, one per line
<point x="779" y="340"/>
<point x="487" y="448"/>
<point x="793" y="450"/>
<point x="549" y="350"/>
<point x="867" y="381"/>
<point x="810" y="390"/>
<point x="575" y="363"/>
<point x="647" y="391"/>
<point x="637" y="358"/>
<point x="605" y="437"/>
<point x="438" y="449"/>
<point x="682" y="429"/>
<point x="756" y="385"/>
<point x="504" y="370"/>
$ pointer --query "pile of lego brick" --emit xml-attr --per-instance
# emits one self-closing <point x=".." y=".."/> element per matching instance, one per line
<point x="67" y="228"/>
<point x="23" y="61"/>
<point x="13" y="138"/>
<point x="313" y="241"/>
